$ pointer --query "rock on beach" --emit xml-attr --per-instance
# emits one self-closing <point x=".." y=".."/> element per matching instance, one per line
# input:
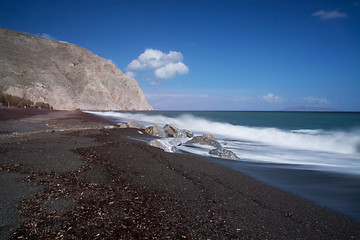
<point x="173" y="132"/>
<point x="159" y="143"/>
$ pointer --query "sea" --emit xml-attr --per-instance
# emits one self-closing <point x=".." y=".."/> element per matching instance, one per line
<point x="315" y="155"/>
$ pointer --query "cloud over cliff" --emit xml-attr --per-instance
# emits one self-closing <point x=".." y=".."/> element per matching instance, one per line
<point x="164" y="65"/>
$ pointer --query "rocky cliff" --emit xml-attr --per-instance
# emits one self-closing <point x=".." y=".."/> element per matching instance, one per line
<point x="64" y="75"/>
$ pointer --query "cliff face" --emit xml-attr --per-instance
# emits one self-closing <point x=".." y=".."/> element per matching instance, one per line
<point x="64" y="75"/>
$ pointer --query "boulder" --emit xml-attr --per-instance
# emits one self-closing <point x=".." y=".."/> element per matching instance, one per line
<point x="204" y="141"/>
<point x="209" y="136"/>
<point x="155" y="131"/>
<point x="171" y="131"/>
<point x="133" y="124"/>
<point x="123" y="125"/>
<point x="223" y="153"/>
<point x="176" y="142"/>
<point x="181" y="134"/>
<point x="158" y="143"/>
<point x="187" y="133"/>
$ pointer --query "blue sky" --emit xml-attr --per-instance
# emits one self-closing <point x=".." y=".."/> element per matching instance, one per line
<point x="214" y="55"/>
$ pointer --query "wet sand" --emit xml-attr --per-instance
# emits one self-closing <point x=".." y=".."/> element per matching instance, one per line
<point x="63" y="176"/>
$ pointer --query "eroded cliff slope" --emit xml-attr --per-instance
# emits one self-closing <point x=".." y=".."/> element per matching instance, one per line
<point x="64" y="75"/>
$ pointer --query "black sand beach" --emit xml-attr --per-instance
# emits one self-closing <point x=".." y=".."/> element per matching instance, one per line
<point x="63" y="176"/>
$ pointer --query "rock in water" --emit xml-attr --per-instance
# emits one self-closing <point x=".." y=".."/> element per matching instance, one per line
<point x="223" y="153"/>
<point x="171" y="131"/>
<point x="204" y="141"/>
<point x="209" y="136"/>
<point x="123" y="125"/>
<point x="155" y="131"/>
<point x="187" y="133"/>
<point x="64" y="75"/>
<point x="133" y="124"/>
<point x="175" y="142"/>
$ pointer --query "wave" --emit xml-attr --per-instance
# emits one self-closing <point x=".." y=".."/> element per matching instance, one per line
<point x="341" y="142"/>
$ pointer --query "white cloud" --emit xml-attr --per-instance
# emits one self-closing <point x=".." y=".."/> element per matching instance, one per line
<point x="45" y="35"/>
<point x="169" y="70"/>
<point x="316" y="100"/>
<point x="270" y="97"/>
<point x="155" y="83"/>
<point x="130" y="74"/>
<point x="110" y="60"/>
<point x="329" y="14"/>
<point x="164" y="65"/>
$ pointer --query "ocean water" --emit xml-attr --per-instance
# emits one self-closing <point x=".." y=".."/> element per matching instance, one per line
<point x="315" y="155"/>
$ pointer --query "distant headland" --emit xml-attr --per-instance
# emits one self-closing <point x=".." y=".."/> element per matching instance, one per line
<point x="309" y="109"/>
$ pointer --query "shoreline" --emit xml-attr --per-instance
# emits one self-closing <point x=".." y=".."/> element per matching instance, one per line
<point x="85" y="181"/>
<point x="294" y="166"/>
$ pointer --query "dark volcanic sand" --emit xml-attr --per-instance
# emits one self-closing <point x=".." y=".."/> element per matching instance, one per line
<point x="92" y="183"/>
<point x="19" y="113"/>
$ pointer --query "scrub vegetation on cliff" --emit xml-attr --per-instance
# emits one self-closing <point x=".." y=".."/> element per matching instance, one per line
<point x="8" y="100"/>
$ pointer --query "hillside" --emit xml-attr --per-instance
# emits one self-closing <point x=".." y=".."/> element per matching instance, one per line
<point x="64" y="75"/>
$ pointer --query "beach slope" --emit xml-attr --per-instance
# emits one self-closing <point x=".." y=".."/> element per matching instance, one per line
<point x="65" y="176"/>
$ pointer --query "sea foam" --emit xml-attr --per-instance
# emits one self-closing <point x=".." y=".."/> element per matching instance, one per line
<point x="342" y="142"/>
